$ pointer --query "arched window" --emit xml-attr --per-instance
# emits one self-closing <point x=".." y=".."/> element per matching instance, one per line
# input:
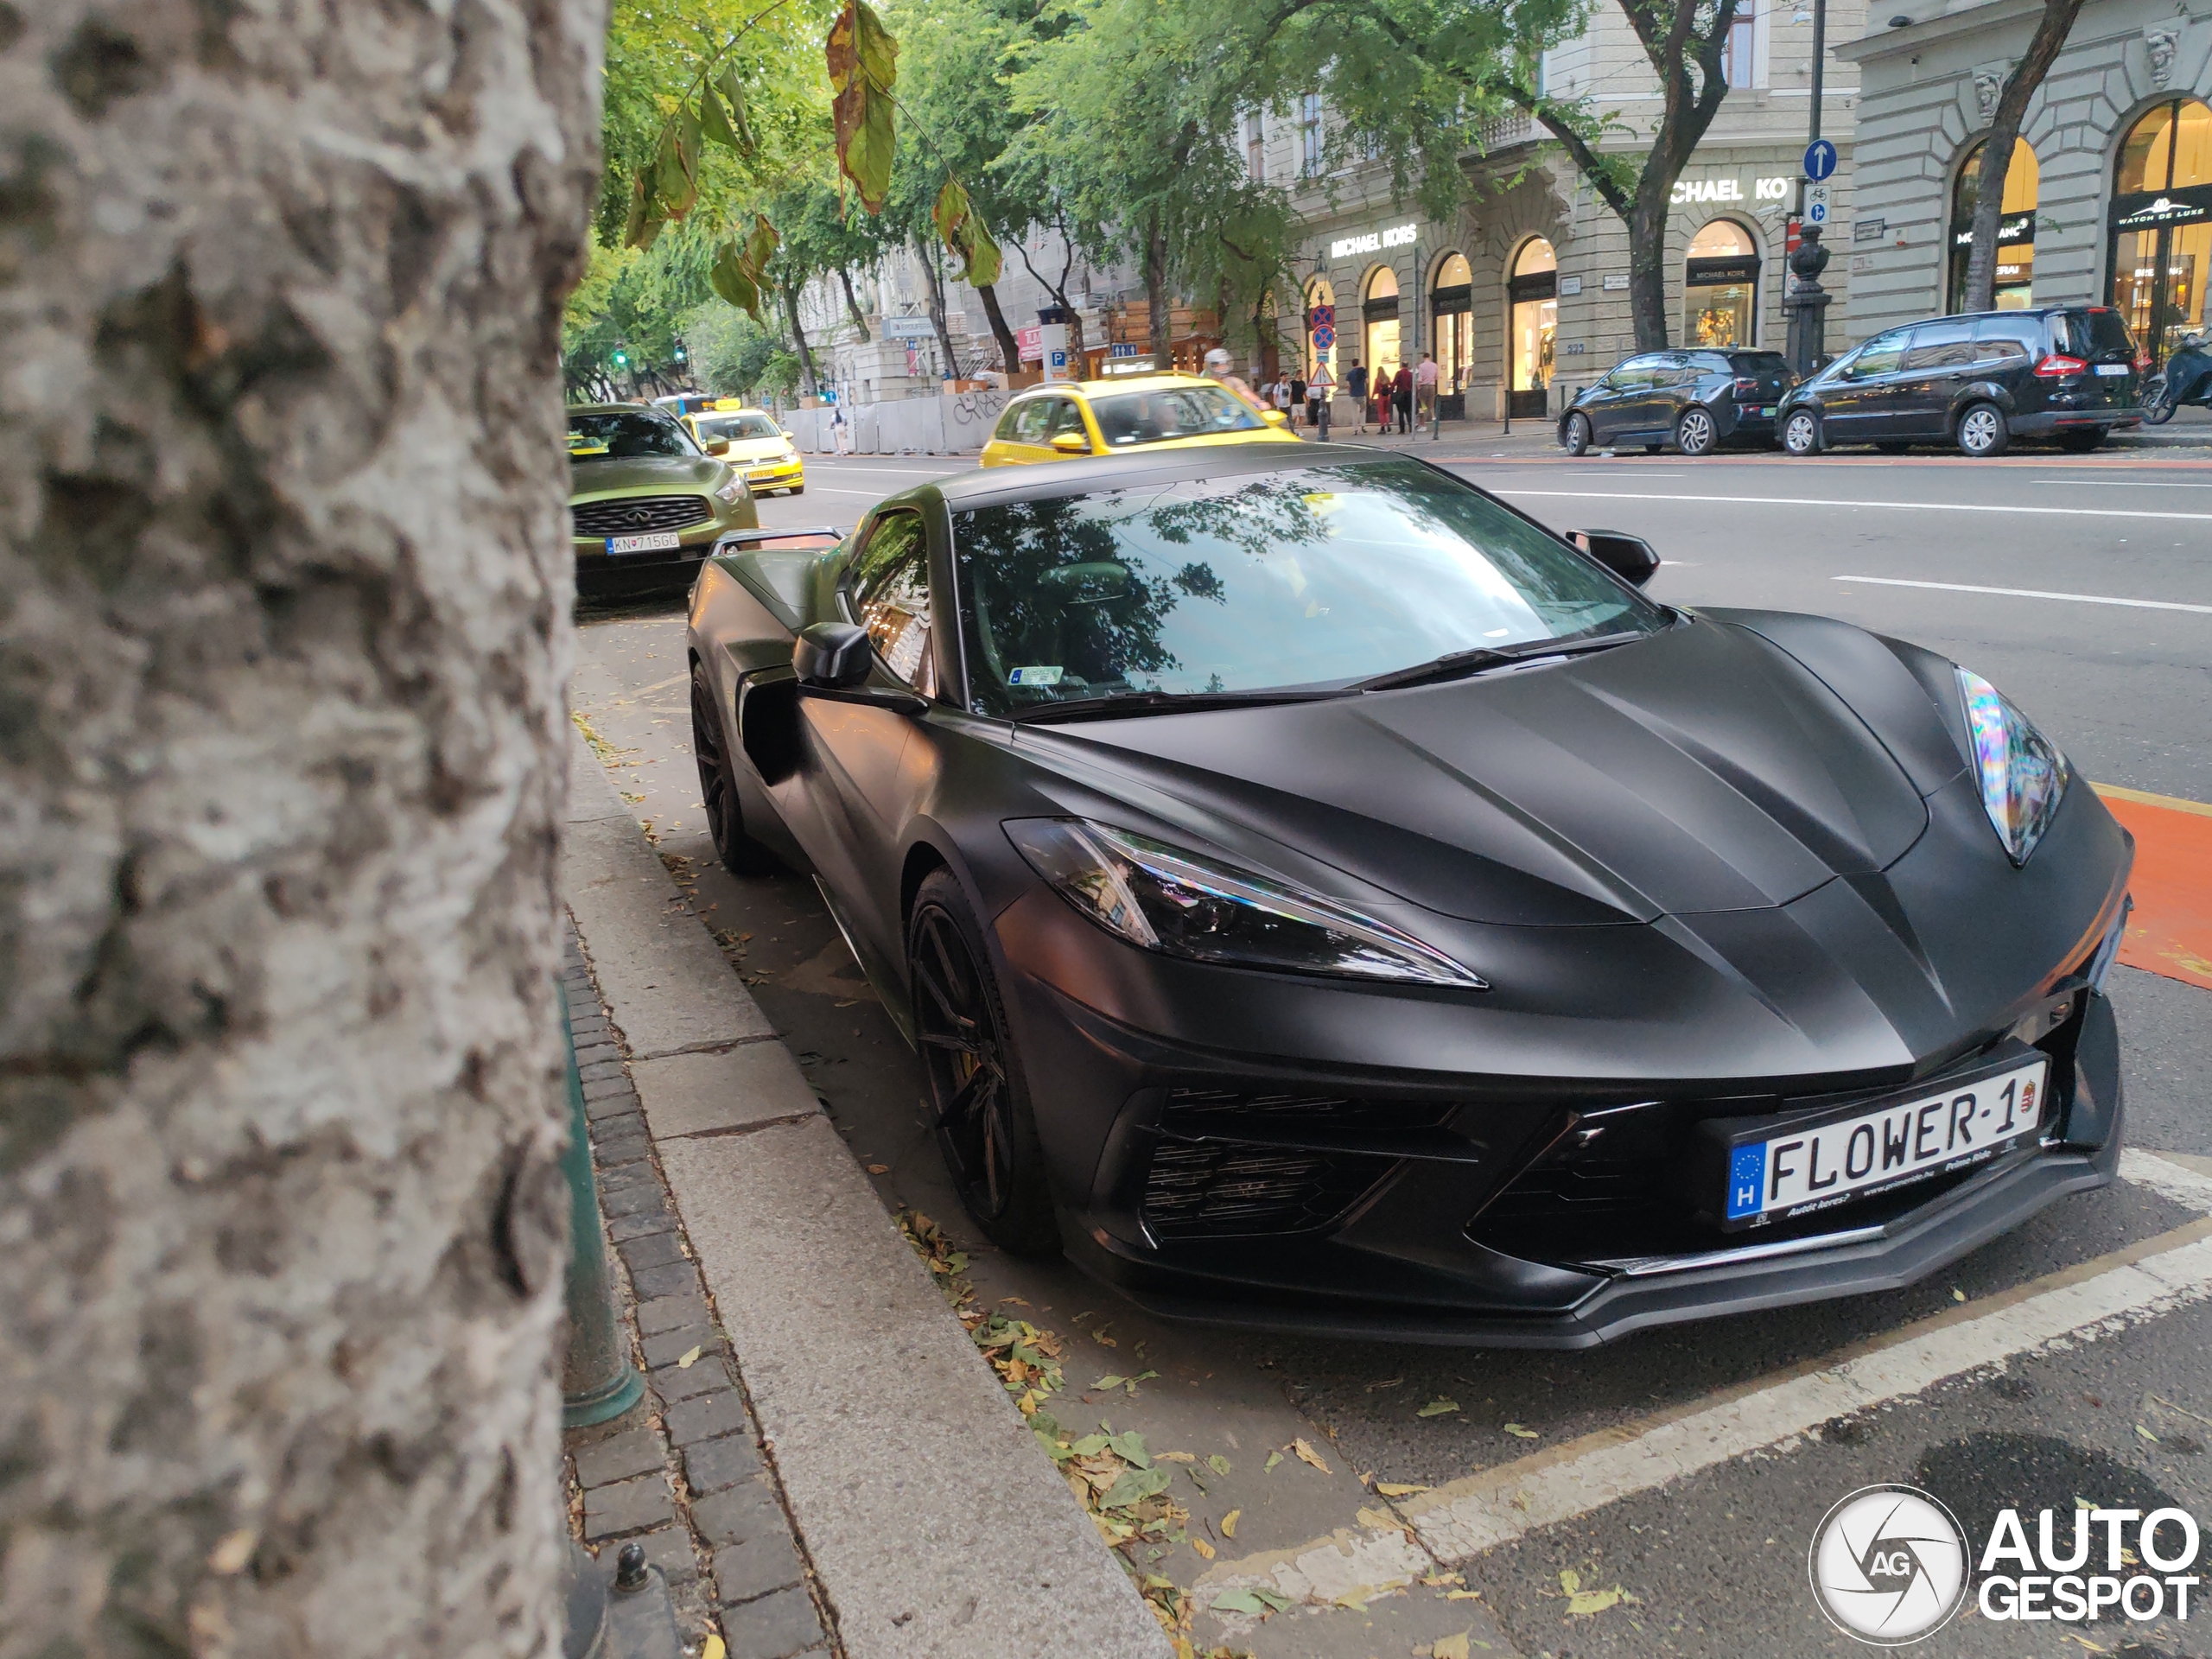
<point x="2016" y="232"/>
<point x="1720" y="287"/>
<point x="1532" y="299"/>
<point x="1320" y="325"/>
<point x="1379" y="350"/>
<point x="1450" y="307"/>
<point x="2160" y="231"/>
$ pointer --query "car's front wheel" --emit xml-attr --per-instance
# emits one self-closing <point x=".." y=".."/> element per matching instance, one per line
<point x="1982" y="432"/>
<point x="1800" y="433"/>
<point x="1577" y="441"/>
<point x="1694" y="433"/>
<point x="979" y="1093"/>
<point x="741" y="854"/>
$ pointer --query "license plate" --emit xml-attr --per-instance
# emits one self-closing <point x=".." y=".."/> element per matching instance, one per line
<point x="654" y="542"/>
<point x="2114" y="369"/>
<point x="1813" y="1166"/>
<point x="1768" y="410"/>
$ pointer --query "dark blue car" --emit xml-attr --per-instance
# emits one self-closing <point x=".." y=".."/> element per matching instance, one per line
<point x="1695" y="400"/>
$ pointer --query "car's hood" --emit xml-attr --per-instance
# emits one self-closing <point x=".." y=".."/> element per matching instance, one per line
<point x="674" y="474"/>
<point x="1703" y="769"/>
<point x="757" y="449"/>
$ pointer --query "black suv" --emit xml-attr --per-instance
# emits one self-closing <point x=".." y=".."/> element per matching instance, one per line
<point x="2073" y="373"/>
<point x="1695" y="400"/>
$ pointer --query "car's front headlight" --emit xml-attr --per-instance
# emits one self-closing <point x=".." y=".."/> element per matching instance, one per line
<point x="1163" y="898"/>
<point x="2023" y="775"/>
<point x="732" y="492"/>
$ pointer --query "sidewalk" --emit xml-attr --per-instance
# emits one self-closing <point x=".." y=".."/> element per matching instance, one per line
<point x="2190" y="430"/>
<point x="853" y="1479"/>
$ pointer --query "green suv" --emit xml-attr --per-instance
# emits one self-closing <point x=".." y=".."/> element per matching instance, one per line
<point x="645" y="502"/>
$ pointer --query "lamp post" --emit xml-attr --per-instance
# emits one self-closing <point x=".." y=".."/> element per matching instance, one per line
<point x="1805" y="306"/>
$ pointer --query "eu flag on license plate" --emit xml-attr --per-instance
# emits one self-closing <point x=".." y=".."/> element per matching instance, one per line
<point x="1746" y="1181"/>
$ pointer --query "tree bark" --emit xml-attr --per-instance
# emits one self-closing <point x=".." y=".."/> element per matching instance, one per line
<point x="933" y="290"/>
<point x="1059" y="291"/>
<point x="853" y="305"/>
<point x="1159" y="323"/>
<point x="799" y="341"/>
<point x="282" y="758"/>
<point x="2051" y="30"/>
<point x="1010" y="347"/>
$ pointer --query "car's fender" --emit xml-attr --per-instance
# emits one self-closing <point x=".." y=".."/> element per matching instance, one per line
<point x="1980" y="391"/>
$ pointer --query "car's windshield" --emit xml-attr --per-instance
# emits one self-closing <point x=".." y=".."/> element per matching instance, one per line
<point x="738" y="429"/>
<point x="1310" y="577"/>
<point x="1128" y="418"/>
<point x="621" y="435"/>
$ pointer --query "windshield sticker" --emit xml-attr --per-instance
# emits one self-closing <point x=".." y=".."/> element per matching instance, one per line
<point x="1033" y="676"/>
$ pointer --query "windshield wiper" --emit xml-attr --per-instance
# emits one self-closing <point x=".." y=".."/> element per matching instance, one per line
<point x="1465" y="664"/>
<point x="1139" y="702"/>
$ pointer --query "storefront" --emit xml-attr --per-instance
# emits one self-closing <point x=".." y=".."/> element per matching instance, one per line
<point x="1532" y="326"/>
<point x="1452" y="326"/>
<point x="2016" y="231"/>
<point x="1379" y="315"/>
<point x="1720" y="287"/>
<point x="2161" y="224"/>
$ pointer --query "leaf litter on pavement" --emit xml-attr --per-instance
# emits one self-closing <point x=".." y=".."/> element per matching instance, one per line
<point x="1121" y="1483"/>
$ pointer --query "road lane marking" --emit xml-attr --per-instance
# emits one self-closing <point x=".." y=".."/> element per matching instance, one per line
<point x="2127" y="483"/>
<point x="1471" y="1516"/>
<point x="1468" y="1517"/>
<point x="2036" y="592"/>
<point x="2145" y="798"/>
<point x="1814" y="501"/>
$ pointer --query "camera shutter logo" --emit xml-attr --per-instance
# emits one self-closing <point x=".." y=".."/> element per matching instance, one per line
<point x="1889" y="1566"/>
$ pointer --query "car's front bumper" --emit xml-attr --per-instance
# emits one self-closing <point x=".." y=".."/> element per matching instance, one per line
<point x="779" y="475"/>
<point x="601" y="575"/>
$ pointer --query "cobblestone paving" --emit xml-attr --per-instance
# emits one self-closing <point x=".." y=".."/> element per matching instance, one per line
<point x="683" y="1473"/>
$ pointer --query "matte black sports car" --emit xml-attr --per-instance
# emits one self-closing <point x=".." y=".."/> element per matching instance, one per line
<point x="1320" y="896"/>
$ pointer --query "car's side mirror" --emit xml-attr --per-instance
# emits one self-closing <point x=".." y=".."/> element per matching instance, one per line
<point x="1071" y="443"/>
<point x="1629" y="557"/>
<point x="718" y="445"/>
<point x="835" y="655"/>
<point x="1275" y="417"/>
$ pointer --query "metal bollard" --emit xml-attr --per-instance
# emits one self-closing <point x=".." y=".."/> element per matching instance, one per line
<point x="597" y="1380"/>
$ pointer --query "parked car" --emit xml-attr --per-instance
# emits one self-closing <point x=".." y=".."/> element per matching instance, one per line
<point x="1978" y="380"/>
<point x="1104" y="417"/>
<point x="1321" y="897"/>
<point x="647" y="501"/>
<point x="758" y="448"/>
<point x="1695" y="400"/>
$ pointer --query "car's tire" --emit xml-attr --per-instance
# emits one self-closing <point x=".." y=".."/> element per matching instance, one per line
<point x="978" y="1089"/>
<point x="796" y="489"/>
<point x="2080" y="444"/>
<point x="1800" y="433"/>
<point x="741" y="854"/>
<point x="1577" y="441"/>
<point x="1983" y="433"/>
<point x="1893" y="447"/>
<point x="1696" y="434"/>
<point x="2157" y="409"/>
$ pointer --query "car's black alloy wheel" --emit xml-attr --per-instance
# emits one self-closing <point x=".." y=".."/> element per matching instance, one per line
<point x="1695" y="433"/>
<point x="1982" y="431"/>
<point x="977" y="1088"/>
<point x="1578" y="434"/>
<point x="741" y="854"/>
<point x="1800" y="433"/>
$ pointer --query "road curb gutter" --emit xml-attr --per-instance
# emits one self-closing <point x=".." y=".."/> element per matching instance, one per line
<point x="934" y="1525"/>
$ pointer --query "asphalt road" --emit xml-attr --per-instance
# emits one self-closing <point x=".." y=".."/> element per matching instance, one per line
<point x="1710" y="1549"/>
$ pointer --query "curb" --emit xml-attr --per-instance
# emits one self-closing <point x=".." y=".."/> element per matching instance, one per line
<point x="934" y="1524"/>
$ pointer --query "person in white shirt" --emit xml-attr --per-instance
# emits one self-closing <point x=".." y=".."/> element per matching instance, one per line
<point x="1425" y="390"/>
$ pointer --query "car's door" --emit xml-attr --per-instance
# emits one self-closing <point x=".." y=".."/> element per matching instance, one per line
<point x="851" y="752"/>
<point x="1628" y="392"/>
<point x="1021" y="434"/>
<point x="1066" y="418"/>
<point x="1938" y="360"/>
<point x="1854" y="405"/>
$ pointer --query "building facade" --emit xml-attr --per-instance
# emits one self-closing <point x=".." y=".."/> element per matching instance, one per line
<point x="2109" y="198"/>
<point x="1522" y="297"/>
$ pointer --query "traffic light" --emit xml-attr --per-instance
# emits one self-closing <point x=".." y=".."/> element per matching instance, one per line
<point x="621" y="358"/>
<point x="680" y="355"/>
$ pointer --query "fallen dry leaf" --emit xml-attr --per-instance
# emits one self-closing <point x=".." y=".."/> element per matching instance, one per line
<point x="1307" y="1454"/>
<point x="879" y="1169"/>
<point x="1521" y="1433"/>
<point x="1450" y="1647"/>
<point x="1379" y="1521"/>
<point x="1273" y="1457"/>
<point x="1228" y="1523"/>
<point x="1174" y="1457"/>
<point x="690" y="1358"/>
<point x="1438" y="1406"/>
<point x="1463" y="1595"/>
<point x="1205" y="1549"/>
<point x="714" y="1648"/>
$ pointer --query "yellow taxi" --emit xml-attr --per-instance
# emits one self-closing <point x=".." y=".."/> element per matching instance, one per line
<point x="759" y="448"/>
<point x="1108" y="417"/>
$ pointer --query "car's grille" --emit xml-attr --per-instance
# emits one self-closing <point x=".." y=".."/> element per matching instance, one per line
<point x="1224" y="1189"/>
<point x="1274" y="1105"/>
<point x="633" y="515"/>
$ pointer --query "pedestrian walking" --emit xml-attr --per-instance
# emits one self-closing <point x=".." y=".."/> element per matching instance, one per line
<point x="1401" y="398"/>
<point x="1355" y="389"/>
<point x="1425" y="390"/>
<point x="1297" y="397"/>
<point x="1219" y="371"/>
<point x="1382" y="390"/>
<point x="1282" y="395"/>
<point x="1318" y="392"/>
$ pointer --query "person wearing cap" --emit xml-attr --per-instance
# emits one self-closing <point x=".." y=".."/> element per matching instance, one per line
<point x="1219" y="369"/>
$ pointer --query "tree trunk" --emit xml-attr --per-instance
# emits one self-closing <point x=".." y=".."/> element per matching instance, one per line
<point x="287" y="584"/>
<point x="933" y="290"/>
<point x="2057" y="22"/>
<point x="1647" y="262"/>
<point x="1160" y="322"/>
<point x="853" y="305"/>
<point x="798" y="337"/>
<point x="1010" y="347"/>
